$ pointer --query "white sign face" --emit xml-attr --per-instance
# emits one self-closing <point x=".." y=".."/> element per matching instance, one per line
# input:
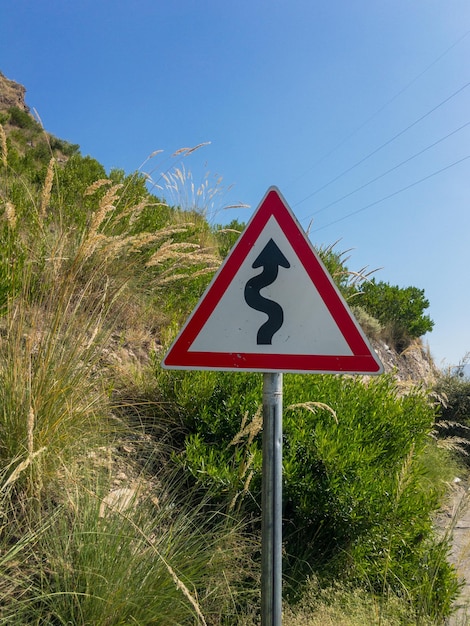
<point x="273" y="307"/>
<point x="308" y="327"/>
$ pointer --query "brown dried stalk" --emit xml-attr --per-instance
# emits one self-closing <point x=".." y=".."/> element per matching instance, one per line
<point x="47" y="188"/>
<point x="3" y="144"/>
<point x="312" y="407"/>
<point x="10" y="214"/>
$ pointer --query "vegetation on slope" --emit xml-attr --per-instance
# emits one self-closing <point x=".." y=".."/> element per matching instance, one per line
<point x="130" y="494"/>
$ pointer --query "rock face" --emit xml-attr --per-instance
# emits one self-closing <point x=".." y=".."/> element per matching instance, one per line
<point x="413" y="365"/>
<point x="12" y="94"/>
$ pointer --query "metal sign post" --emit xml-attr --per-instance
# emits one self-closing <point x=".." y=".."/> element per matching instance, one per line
<point x="271" y="521"/>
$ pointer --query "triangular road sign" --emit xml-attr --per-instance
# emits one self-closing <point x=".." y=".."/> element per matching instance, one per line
<point x="273" y="307"/>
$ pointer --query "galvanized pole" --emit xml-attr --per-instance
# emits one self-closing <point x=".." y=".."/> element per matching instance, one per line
<point x="271" y="523"/>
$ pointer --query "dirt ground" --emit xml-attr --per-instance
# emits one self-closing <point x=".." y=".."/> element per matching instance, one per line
<point x="455" y="518"/>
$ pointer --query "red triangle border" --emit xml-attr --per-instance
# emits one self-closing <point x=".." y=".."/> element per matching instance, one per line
<point x="363" y="360"/>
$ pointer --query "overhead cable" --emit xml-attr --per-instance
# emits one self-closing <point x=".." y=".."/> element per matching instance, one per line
<point x="386" y="143"/>
<point x="384" y="106"/>
<point x="392" y="169"/>
<point x="391" y="195"/>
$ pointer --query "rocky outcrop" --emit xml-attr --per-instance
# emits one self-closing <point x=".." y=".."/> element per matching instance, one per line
<point x="413" y="365"/>
<point x="12" y="94"/>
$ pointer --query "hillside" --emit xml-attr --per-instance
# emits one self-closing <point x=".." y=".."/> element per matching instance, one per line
<point x="132" y="493"/>
<point x="413" y="364"/>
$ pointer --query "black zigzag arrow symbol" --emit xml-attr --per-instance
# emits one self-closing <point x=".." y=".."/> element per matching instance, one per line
<point x="270" y="259"/>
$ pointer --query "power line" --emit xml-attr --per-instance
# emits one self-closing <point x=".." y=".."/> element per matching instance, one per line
<point x="384" y="106"/>
<point x="391" y="195"/>
<point x="386" y="143"/>
<point x="395" y="167"/>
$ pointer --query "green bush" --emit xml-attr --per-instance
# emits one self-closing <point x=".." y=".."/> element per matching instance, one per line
<point x="22" y="119"/>
<point x="69" y="149"/>
<point x="399" y="310"/>
<point x="453" y="423"/>
<point x="357" y="495"/>
<point x="214" y="408"/>
<point x="69" y="191"/>
<point x="454" y="392"/>
<point x="356" y="491"/>
<point x="369" y="324"/>
<point x="227" y="236"/>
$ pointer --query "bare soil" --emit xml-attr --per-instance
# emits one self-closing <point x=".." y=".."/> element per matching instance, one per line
<point x="454" y="518"/>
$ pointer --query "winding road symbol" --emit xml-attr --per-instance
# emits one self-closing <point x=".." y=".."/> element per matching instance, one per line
<point x="270" y="259"/>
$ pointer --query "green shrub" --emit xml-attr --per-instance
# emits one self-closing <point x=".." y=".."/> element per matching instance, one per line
<point x="227" y="236"/>
<point x="453" y="423"/>
<point x="216" y="408"/>
<point x="454" y="392"/>
<point x="399" y="310"/>
<point x="369" y="324"/>
<point x="356" y="491"/>
<point x="357" y="497"/>
<point x="66" y="148"/>
<point x="22" y="119"/>
<point x="69" y="192"/>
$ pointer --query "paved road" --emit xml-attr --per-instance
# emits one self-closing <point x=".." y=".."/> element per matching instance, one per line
<point x="456" y="519"/>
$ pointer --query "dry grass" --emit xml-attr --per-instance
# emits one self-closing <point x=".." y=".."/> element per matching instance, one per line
<point x="339" y="606"/>
<point x="10" y="214"/>
<point x="178" y="184"/>
<point x="47" y="188"/>
<point x="313" y="407"/>
<point x="249" y="429"/>
<point x="175" y="260"/>
<point x="3" y="146"/>
<point x="59" y="350"/>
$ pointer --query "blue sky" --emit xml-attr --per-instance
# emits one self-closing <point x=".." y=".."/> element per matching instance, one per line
<point x="357" y="111"/>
